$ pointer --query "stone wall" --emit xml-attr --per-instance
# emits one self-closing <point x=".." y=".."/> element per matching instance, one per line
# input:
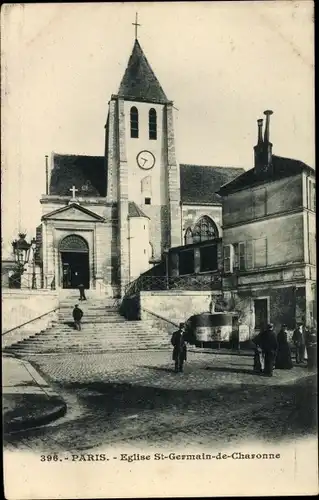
<point x="20" y="307"/>
<point x="176" y="306"/>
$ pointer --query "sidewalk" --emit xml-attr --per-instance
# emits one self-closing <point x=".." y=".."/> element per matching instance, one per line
<point x="28" y="401"/>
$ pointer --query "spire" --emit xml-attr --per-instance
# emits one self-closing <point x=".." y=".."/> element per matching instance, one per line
<point x="139" y="82"/>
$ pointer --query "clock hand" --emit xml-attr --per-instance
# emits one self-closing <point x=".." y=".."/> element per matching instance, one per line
<point x="145" y="161"/>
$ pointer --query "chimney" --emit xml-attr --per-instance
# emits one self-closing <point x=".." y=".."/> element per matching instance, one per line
<point x="268" y="113"/>
<point x="259" y="148"/>
<point x="260" y="131"/>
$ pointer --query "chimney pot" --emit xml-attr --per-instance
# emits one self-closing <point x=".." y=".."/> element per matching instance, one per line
<point x="268" y="113"/>
<point x="260" y="125"/>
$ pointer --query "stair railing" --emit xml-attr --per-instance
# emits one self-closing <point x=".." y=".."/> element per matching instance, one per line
<point x="152" y="313"/>
<point x="28" y="322"/>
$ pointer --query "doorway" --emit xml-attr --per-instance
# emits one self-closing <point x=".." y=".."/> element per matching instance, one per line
<point x="74" y="262"/>
<point x="261" y="313"/>
<point x="75" y="269"/>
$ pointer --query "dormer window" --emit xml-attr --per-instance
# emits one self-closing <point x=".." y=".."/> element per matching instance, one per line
<point x="152" y="124"/>
<point x="134" y="122"/>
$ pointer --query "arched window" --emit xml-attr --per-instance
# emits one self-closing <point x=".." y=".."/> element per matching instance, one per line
<point x="205" y="229"/>
<point x="134" y="122"/>
<point x="188" y="236"/>
<point x="152" y="124"/>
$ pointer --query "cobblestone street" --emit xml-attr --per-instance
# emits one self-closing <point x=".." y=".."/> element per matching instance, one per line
<point x="136" y="398"/>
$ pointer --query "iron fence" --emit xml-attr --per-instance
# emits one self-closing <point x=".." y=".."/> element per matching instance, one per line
<point x="190" y="282"/>
<point x="30" y="281"/>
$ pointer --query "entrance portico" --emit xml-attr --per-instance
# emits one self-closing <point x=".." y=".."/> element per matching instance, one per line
<point x="77" y="247"/>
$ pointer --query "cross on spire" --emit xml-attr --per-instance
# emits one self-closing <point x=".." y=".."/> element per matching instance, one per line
<point x="73" y="192"/>
<point x="136" y="25"/>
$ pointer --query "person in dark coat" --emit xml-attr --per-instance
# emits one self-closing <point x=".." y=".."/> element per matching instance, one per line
<point x="82" y="292"/>
<point x="180" y="349"/>
<point x="299" y="339"/>
<point x="283" y="357"/>
<point x="311" y="345"/>
<point x="77" y="316"/>
<point x="267" y="341"/>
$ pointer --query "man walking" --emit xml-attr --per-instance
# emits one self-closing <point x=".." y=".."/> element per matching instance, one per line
<point x="77" y="316"/>
<point x="180" y="350"/>
<point x="299" y="339"/>
<point x="82" y="293"/>
<point x="267" y="341"/>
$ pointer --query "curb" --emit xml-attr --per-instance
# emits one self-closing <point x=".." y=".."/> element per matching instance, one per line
<point x="17" y="425"/>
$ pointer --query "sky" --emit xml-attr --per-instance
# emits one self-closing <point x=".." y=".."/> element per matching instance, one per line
<point x="222" y="63"/>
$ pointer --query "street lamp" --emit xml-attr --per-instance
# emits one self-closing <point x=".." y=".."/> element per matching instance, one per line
<point x="34" y="247"/>
<point x="21" y="251"/>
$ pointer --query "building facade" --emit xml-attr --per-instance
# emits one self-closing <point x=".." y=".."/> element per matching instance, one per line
<point x="107" y="219"/>
<point x="269" y="240"/>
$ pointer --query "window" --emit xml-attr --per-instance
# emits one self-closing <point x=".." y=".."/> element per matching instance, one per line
<point x="147" y="201"/>
<point x="186" y="262"/>
<point x="312" y="195"/>
<point x="259" y="197"/>
<point x="260" y="252"/>
<point x="208" y="258"/>
<point x="152" y="124"/>
<point x="205" y="229"/>
<point x="134" y="122"/>
<point x="188" y="236"/>
<point x="228" y="258"/>
<point x="242" y="256"/>
<point x="312" y="249"/>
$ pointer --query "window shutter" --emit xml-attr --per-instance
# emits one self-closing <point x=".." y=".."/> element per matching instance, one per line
<point x="242" y="256"/>
<point x="228" y="258"/>
<point x="249" y="254"/>
<point x="260" y="252"/>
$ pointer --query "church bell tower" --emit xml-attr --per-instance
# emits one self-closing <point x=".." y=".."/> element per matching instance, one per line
<point x="143" y="177"/>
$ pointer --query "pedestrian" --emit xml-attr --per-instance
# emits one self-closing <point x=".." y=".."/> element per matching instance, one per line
<point x="77" y="316"/>
<point x="283" y="357"/>
<point x="267" y="342"/>
<point x="258" y="360"/>
<point x="299" y="339"/>
<point x="311" y="345"/>
<point x="180" y="349"/>
<point x="82" y="291"/>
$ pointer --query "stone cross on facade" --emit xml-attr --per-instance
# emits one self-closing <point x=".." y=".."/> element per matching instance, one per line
<point x="73" y="192"/>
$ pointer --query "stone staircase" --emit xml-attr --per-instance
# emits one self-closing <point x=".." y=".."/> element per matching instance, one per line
<point x="103" y="330"/>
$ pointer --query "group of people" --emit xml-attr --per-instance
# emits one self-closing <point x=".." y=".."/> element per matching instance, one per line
<point x="273" y="351"/>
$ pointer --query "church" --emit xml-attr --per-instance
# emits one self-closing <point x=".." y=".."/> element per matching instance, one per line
<point x="108" y="219"/>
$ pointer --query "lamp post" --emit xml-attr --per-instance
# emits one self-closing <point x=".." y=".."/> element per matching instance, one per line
<point x="34" y="247"/>
<point x="21" y="251"/>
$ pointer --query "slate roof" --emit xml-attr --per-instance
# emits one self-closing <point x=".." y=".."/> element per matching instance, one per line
<point x="139" y="81"/>
<point x="86" y="173"/>
<point x="200" y="183"/>
<point x="282" y="167"/>
<point x="135" y="211"/>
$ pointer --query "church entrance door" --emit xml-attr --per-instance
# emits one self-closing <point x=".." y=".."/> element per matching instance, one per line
<point x="74" y="255"/>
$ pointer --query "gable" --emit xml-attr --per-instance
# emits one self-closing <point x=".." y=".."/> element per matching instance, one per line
<point x="75" y="213"/>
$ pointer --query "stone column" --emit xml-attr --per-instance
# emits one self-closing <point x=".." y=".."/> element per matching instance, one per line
<point x="123" y="200"/>
<point x="173" y="183"/>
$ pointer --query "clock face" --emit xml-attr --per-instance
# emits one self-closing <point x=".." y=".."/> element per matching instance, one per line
<point x="145" y="160"/>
